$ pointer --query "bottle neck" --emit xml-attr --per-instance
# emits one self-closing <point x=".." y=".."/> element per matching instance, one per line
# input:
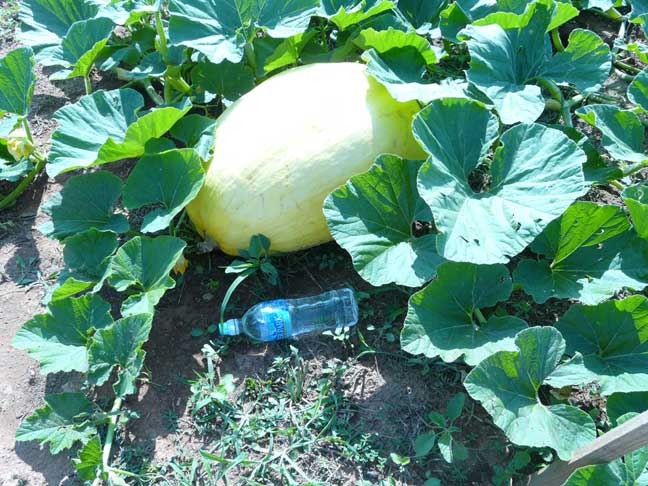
<point x="231" y="327"/>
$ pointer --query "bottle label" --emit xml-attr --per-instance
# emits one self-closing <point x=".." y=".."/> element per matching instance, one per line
<point x="277" y="325"/>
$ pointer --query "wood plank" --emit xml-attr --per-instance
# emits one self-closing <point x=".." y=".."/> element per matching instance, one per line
<point x="619" y="441"/>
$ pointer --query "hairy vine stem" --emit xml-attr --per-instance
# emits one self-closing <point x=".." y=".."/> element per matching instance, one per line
<point x="110" y="435"/>
<point x="557" y="42"/>
<point x="627" y="67"/>
<point x="20" y="188"/>
<point x="557" y="95"/>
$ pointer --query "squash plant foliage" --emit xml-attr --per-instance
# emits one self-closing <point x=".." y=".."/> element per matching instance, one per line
<point x="499" y="204"/>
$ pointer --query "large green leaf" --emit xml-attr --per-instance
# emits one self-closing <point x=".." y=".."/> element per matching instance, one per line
<point x="12" y="172"/>
<point x="89" y="460"/>
<point x="58" y="339"/>
<point x="142" y="265"/>
<point x="383" y="41"/>
<point x="229" y="80"/>
<point x="622" y="130"/>
<point x="422" y="15"/>
<point x="169" y="180"/>
<point x="371" y="217"/>
<point x="272" y="54"/>
<point x="442" y="319"/>
<point x="507" y="385"/>
<point x="399" y="61"/>
<point x="638" y="90"/>
<point x="196" y="131"/>
<point x="348" y="13"/>
<point x="507" y="61"/>
<point x="112" y="129"/>
<point x="599" y="475"/>
<point x="220" y="29"/>
<point x="61" y="423"/>
<point x="619" y="404"/>
<point x="86" y="201"/>
<point x="126" y="12"/>
<point x="403" y="73"/>
<point x="80" y="47"/>
<point x="120" y="346"/>
<point x="87" y="261"/>
<point x="597" y="170"/>
<point x="463" y="12"/>
<point x="590" y="253"/>
<point x="636" y="199"/>
<point x="17" y="81"/>
<point x="44" y="23"/>
<point x="639" y="13"/>
<point x="535" y="174"/>
<point x="610" y="344"/>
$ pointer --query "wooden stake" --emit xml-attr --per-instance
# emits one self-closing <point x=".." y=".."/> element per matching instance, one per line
<point x="619" y="441"/>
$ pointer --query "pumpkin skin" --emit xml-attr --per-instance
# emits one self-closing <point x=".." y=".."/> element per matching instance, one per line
<point x="284" y="146"/>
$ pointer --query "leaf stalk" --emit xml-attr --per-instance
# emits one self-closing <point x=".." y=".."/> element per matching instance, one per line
<point x="557" y="95"/>
<point x="626" y="67"/>
<point x="27" y="128"/>
<point x="88" y="84"/>
<point x="20" y="188"/>
<point x="557" y="42"/>
<point x="634" y="168"/>
<point x="110" y="435"/>
<point x="164" y="49"/>
<point x="480" y="317"/>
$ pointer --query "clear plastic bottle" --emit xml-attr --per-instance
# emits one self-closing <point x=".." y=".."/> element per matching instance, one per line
<point x="289" y="318"/>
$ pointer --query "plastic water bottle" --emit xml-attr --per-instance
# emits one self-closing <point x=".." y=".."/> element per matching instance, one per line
<point x="289" y="318"/>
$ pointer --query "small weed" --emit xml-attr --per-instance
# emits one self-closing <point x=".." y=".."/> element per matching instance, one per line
<point x="441" y="432"/>
<point x="270" y="430"/>
<point x="28" y="270"/>
<point x="328" y="261"/>
<point x="510" y="471"/>
<point x="171" y="418"/>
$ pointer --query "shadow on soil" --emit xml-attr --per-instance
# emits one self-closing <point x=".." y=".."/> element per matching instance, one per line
<point x="390" y="394"/>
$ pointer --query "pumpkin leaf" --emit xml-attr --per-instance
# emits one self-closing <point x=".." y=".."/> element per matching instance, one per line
<point x="610" y="344"/>
<point x="80" y="47"/>
<point x="535" y="174"/>
<point x="44" y="23"/>
<point x="441" y="319"/>
<point x="636" y="199"/>
<point x="622" y="130"/>
<point x="58" y="338"/>
<point x="17" y="80"/>
<point x="509" y="53"/>
<point x="87" y="262"/>
<point x="113" y="129"/>
<point x="196" y="131"/>
<point x="86" y="202"/>
<point x="507" y="385"/>
<point x="169" y="180"/>
<point x="142" y="265"/>
<point x="220" y="29"/>
<point x="371" y="217"/>
<point x="120" y="346"/>
<point x="590" y="254"/>
<point x="60" y="423"/>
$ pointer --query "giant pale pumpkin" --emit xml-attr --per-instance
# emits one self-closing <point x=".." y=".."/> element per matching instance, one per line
<point x="280" y="149"/>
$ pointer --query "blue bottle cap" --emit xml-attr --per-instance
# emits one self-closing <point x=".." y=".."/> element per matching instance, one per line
<point x="229" y="327"/>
